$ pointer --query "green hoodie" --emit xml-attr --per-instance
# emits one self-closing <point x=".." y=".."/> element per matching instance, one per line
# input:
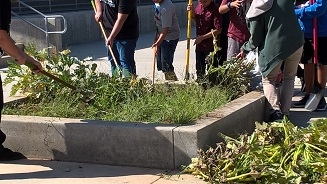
<point x="275" y="31"/>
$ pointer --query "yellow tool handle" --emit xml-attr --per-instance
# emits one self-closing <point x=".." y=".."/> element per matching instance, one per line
<point x="105" y="36"/>
<point x="188" y="35"/>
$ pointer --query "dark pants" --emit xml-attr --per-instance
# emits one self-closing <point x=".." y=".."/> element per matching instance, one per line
<point x="2" y="135"/>
<point x="201" y="66"/>
<point x="165" y="55"/>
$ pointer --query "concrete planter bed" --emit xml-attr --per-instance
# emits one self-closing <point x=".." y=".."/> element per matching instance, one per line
<point x="128" y="143"/>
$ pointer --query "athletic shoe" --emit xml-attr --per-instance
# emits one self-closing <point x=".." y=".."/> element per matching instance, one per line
<point x="322" y="105"/>
<point x="302" y="102"/>
<point x="276" y="116"/>
<point x="171" y="76"/>
<point x="7" y="155"/>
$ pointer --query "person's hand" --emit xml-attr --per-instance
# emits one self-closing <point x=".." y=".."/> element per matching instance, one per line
<point x="110" y="41"/>
<point x="189" y="7"/>
<point x="155" y="49"/>
<point x="198" y="40"/>
<point x="38" y="67"/>
<point x="240" y="55"/>
<point x="305" y="4"/>
<point x="236" y="3"/>
<point x="98" y="16"/>
<point x="27" y="60"/>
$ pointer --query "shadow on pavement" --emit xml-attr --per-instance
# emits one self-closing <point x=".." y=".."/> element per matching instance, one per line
<point x="42" y="169"/>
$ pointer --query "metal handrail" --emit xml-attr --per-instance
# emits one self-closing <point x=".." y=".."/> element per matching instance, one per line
<point x="46" y="17"/>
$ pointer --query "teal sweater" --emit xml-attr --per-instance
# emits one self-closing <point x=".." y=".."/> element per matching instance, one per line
<point x="276" y="33"/>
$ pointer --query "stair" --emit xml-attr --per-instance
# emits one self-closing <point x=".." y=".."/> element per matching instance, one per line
<point x="5" y="58"/>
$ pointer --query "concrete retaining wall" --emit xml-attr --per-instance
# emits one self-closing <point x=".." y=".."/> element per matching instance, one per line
<point x="81" y="27"/>
<point x="128" y="143"/>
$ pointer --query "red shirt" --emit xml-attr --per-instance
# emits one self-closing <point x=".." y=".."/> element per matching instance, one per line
<point x="237" y="25"/>
<point x="206" y="18"/>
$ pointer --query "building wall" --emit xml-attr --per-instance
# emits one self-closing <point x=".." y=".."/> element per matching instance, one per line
<point x="81" y="27"/>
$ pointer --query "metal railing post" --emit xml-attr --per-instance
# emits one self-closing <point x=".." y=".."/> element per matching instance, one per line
<point x="46" y="21"/>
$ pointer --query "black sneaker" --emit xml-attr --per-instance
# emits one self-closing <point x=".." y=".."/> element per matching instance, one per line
<point x="276" y="116"/>
<point x="302" y="102"/>
<point x="7" y="155"/>
<point x="322" y="105"/>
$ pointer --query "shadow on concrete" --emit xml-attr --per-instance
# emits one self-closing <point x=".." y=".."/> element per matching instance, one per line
<point x="300" y="116"/>
<point x="117" y="143"/>
<point x="41" y="169"/>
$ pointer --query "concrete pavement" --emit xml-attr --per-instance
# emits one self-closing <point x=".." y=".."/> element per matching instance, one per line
<point x="54" y="172"/>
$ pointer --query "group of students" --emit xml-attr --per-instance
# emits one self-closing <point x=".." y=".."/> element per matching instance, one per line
<point x="240" y="26"/>
<point x="282" y="33"/>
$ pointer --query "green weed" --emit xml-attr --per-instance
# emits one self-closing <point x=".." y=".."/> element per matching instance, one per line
<point x="117" y="99"/>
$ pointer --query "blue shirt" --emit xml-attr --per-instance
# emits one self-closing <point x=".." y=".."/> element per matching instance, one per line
<point x="306" y="14"/>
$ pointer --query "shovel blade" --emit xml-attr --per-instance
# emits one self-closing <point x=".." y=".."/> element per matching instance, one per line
<point x="313" y="100"/>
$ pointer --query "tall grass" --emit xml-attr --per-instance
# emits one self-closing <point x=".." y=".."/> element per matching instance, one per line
<point x="169" y="104"/>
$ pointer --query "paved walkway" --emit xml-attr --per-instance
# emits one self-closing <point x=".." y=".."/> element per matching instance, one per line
<point x="54" y="172"/>
<point x="48" y="172"/>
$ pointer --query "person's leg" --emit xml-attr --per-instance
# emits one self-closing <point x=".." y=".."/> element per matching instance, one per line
<point x="309" y="72"/>
<point x="5" y="153"/>
<point x="309" y="77"/>
<point x="2" y="135"/>
<point x="158" y="58"/>
<point x="233" y="48"/>
<point x="126" y="50"/>
<point x="167" y="54"/>
<point x="167" y="57"/>
<point x="200" y="64"/>
<point x="322" y="75"/>
<point x="322" y="59"/>
<point x="223" y="38"/>
<point x="113" y="66"/>
<point x="299" y="72"/>
<point x="269" y="88"/>
<point x="300" y="75"/>
<point x="322" y="70"/>
<point x="289" y="73"/>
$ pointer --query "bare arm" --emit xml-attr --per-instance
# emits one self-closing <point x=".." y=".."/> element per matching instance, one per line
<point x="98" y="14"/>
<point x="161" y="37"/>
<point x="117" y="27"/>
<point x="223" y="8"/>
<point x="190" y="8"/>
<point x="8" y="44"/>
<point x="200" y="38"/>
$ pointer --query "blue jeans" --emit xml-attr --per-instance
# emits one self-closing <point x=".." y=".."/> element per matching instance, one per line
<point x="124" y="51"/>
<point x="165" y="55"/>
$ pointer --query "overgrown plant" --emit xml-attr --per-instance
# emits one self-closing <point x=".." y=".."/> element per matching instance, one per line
<point x="233" y="74"/>
<point x="119" y="99"/>
<point x="274" y="153"/>
<point x="69" y="69"/>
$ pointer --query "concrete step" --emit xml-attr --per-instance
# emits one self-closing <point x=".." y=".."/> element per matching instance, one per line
<point x="5" y="58"/>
